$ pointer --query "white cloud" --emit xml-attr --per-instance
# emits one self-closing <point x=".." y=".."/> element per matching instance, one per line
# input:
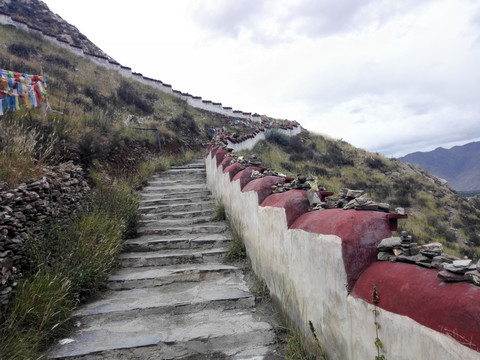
<point x="393" y="77"/>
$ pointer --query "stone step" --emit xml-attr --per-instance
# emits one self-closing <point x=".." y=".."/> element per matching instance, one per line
<point x="177" y="179"/>
<point x="198" y="169"/>
<point x="181" y="206"/>
<point x="151" y="222"/>
<point x="150" y="201"/>
<point x="154" y="242"/>
<point x="179" y="214"/>
<point x="211" y="228"/>
<point x="175" y="195"/>
<point x="170" y="195"/>
<point x="207" y="334"/>
<point x="181" y="173"/>
<point x="193" y="165"/>
<point x="171" y="257"/>
<point x="136" y="278"/>
<point x="172" y="191"/>
<point x="227" y="293"/>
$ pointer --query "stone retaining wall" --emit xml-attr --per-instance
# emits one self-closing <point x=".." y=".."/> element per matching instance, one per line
<point x="321" y="266"/>
<point x="247" y="142"/>
<point x="27" y="206"/>
<point x="194" y="101"/>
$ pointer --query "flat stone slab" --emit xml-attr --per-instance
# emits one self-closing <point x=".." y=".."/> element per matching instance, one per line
<point x="128" y="278"/>
<point x="198" y="205"/>
<point x="188" y="241"/>
<point x="180" y="188"/>
<point x="205" y="332"/>
<point x="161" y="200"/>
<point x="212" y="228"/>
<point x="168" y="257"/>
<point x="151" y="221"/>
<point x="179" y="214"/>
<point x="165" y="298"/>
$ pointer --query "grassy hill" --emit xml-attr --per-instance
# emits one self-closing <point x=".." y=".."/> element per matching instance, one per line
<point x="87" y="123"/>
<point x="91" y="104"/>
<point x="90" y="107"/>
<point x="436" y="212"/>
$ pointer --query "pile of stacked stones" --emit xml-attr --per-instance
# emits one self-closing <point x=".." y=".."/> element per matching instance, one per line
<point x="300" y="183"/>
<point x="346" y="199"/>
<point x="356" y="199"/>
<point x="253" y="160"/>
<point x="451" y="268"/>
<point x="30" y="204"/>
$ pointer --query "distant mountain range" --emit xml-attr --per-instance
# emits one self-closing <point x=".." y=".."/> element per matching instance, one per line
<point x="460" y="165"/>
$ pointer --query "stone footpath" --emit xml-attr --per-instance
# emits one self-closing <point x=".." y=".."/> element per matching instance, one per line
<point x="172" y="297"/>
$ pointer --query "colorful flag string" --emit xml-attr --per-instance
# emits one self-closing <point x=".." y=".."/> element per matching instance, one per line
<point x="21" y="91"/>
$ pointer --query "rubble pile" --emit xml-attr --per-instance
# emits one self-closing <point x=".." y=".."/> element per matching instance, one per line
<point x="27" y="206"/>
<point x="450" y="268"/>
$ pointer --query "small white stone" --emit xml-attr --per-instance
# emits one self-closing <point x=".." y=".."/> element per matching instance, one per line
<point x="65" y="341"/>
<point x="462" y="263"/>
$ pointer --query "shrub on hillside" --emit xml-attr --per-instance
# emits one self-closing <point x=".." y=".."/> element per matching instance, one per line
<point x="23" y="149"/>
<point x="185" y="121"/>
<point x="59" y="61"/>
<point x="376" y="163"/>
<point x="334" y="156"/>
<point x="132" y="96"/>
<point x="278" y="138"/>
<point x="21" y="50"/>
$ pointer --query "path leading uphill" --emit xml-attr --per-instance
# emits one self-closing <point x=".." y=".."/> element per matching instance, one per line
<point x="172" y="297"/>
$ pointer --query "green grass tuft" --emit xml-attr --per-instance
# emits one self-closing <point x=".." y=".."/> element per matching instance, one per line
<point x="236" y="249"/>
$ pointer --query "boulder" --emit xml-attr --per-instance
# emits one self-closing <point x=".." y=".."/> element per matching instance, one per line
<point x="473" y="277"/>
<point x="390" y="243"/>
<point x="448" y="276"/>
<point x="412" y="259"/>
<point x="386" y="256"/>
<point x="431" y="250"/>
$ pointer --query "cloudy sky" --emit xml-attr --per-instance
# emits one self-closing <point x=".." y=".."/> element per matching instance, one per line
<point x="388" y="76"/>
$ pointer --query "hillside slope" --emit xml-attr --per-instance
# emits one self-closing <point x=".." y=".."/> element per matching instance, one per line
<point x="436" y="212"/>
<point x="37" y="14"/>
<point x="94" y="113"/>
<point x="460" y="165"/>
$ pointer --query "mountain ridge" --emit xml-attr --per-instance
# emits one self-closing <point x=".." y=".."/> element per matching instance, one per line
<point x="458" y="165"/>
<point x="48" y="22"/>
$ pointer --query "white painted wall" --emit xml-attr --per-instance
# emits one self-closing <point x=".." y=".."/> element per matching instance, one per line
<point x="305" y="272"/>
<point x="248" y="144"/>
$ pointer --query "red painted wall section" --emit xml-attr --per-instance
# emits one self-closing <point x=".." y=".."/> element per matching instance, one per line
<point x="418" y="293"/>
<point x="245" y="175"/>
<point x="226" y="162"/>
<point x="324" y="194"/>
<point x="263" y="186"/>
<point x="220" y="155"/>
<point x="360" y="231"/>
<point x="232" y="170"/>
<point x="294" y="202"/>
<point x="214" y="150"/>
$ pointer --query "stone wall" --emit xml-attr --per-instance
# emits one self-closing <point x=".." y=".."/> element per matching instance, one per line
<point x="321" y="267"/>
<point x="56" y="194"/>
<point x="194" y="101"/>
<point x="247" y="142"/>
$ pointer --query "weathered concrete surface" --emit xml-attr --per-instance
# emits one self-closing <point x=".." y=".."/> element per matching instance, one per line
<point x="306" y="272"/>
<point x="172" y="297"/>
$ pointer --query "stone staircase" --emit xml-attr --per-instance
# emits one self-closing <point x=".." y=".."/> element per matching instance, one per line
<point x="172" y="297"/>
